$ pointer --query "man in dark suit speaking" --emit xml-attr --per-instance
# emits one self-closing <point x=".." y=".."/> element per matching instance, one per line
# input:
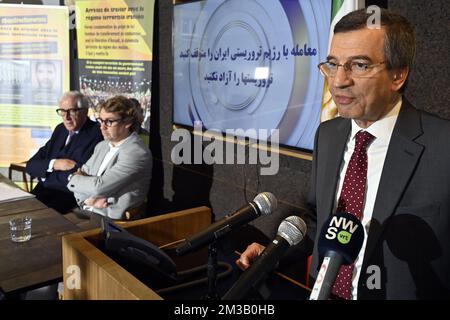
<point x="383" y="161"/>
<point x="69" y="147"/>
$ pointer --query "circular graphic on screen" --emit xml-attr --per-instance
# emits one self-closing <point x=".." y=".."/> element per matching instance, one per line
<point x="238" y="74"/>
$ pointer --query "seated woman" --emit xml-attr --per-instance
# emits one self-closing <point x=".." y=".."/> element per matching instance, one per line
<point x="117" y="175"/>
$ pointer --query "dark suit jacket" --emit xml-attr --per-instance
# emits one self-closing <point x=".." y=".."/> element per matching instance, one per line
<point x="79" y="149"/>
<point x="409" y="236"/>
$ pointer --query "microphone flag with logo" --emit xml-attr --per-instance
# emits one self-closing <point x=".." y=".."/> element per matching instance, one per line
<point x="339" y="243"/>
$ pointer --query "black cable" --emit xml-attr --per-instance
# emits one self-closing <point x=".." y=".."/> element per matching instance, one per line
<point x="223" y="274"/>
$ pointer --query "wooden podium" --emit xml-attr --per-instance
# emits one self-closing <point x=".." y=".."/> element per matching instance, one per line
<point x="101" y="278"/>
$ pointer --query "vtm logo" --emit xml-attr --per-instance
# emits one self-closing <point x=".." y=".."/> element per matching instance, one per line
<point x="342" y="229"/>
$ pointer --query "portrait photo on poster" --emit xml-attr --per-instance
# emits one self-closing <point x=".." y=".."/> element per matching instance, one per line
<point x="46" y="81"/>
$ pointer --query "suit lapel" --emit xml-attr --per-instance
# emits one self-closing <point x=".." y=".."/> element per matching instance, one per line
<point x="401" y="160"/>
<point x="61" y="143"/>
<point x="82" y="134"/>
<point x="99" y="158"/>
<point x="112" y="161"/>
<point x="333" y="161"/>
<point x="71" y="141"/>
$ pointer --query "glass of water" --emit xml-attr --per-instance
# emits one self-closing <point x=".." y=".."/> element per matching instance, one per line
<point x="20" y="229"/>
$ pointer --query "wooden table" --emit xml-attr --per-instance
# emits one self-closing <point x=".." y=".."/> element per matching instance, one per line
<point x="38" y="261"/>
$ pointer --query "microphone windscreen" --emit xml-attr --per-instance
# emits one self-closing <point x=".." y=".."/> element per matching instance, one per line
<point x="292" y="229"/>
<point x="266" y="202"/>
<point x="342" y="233"/>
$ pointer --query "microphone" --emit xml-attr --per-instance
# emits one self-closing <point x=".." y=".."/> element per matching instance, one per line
<point x="339" y="243"/>
<point x="290" y="232"/>
<point x="263" y="204"/>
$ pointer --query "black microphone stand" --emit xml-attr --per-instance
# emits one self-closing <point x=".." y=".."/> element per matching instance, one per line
<point x="212" y="272"/>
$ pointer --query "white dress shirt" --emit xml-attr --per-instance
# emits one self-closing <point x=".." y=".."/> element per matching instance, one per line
<point x="112" y="151"/>
<point x="376" y="154"/>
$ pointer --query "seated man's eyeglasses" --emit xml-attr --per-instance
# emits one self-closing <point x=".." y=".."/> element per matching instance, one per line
<point x="73" y="112"/>
<point x="107" y="122"/>
<point x="354" y="68"/>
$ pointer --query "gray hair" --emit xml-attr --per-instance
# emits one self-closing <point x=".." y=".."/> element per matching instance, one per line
<point x="81" y="100"/>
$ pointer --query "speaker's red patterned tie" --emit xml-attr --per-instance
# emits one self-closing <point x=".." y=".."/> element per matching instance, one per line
<point x="351" y="200"/>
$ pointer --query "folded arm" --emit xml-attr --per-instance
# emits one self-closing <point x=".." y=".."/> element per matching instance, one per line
<point x="128" y="167"/>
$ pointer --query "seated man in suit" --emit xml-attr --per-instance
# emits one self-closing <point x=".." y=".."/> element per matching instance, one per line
<point x="117" y="176"/>
<point x="69" y="147"/>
